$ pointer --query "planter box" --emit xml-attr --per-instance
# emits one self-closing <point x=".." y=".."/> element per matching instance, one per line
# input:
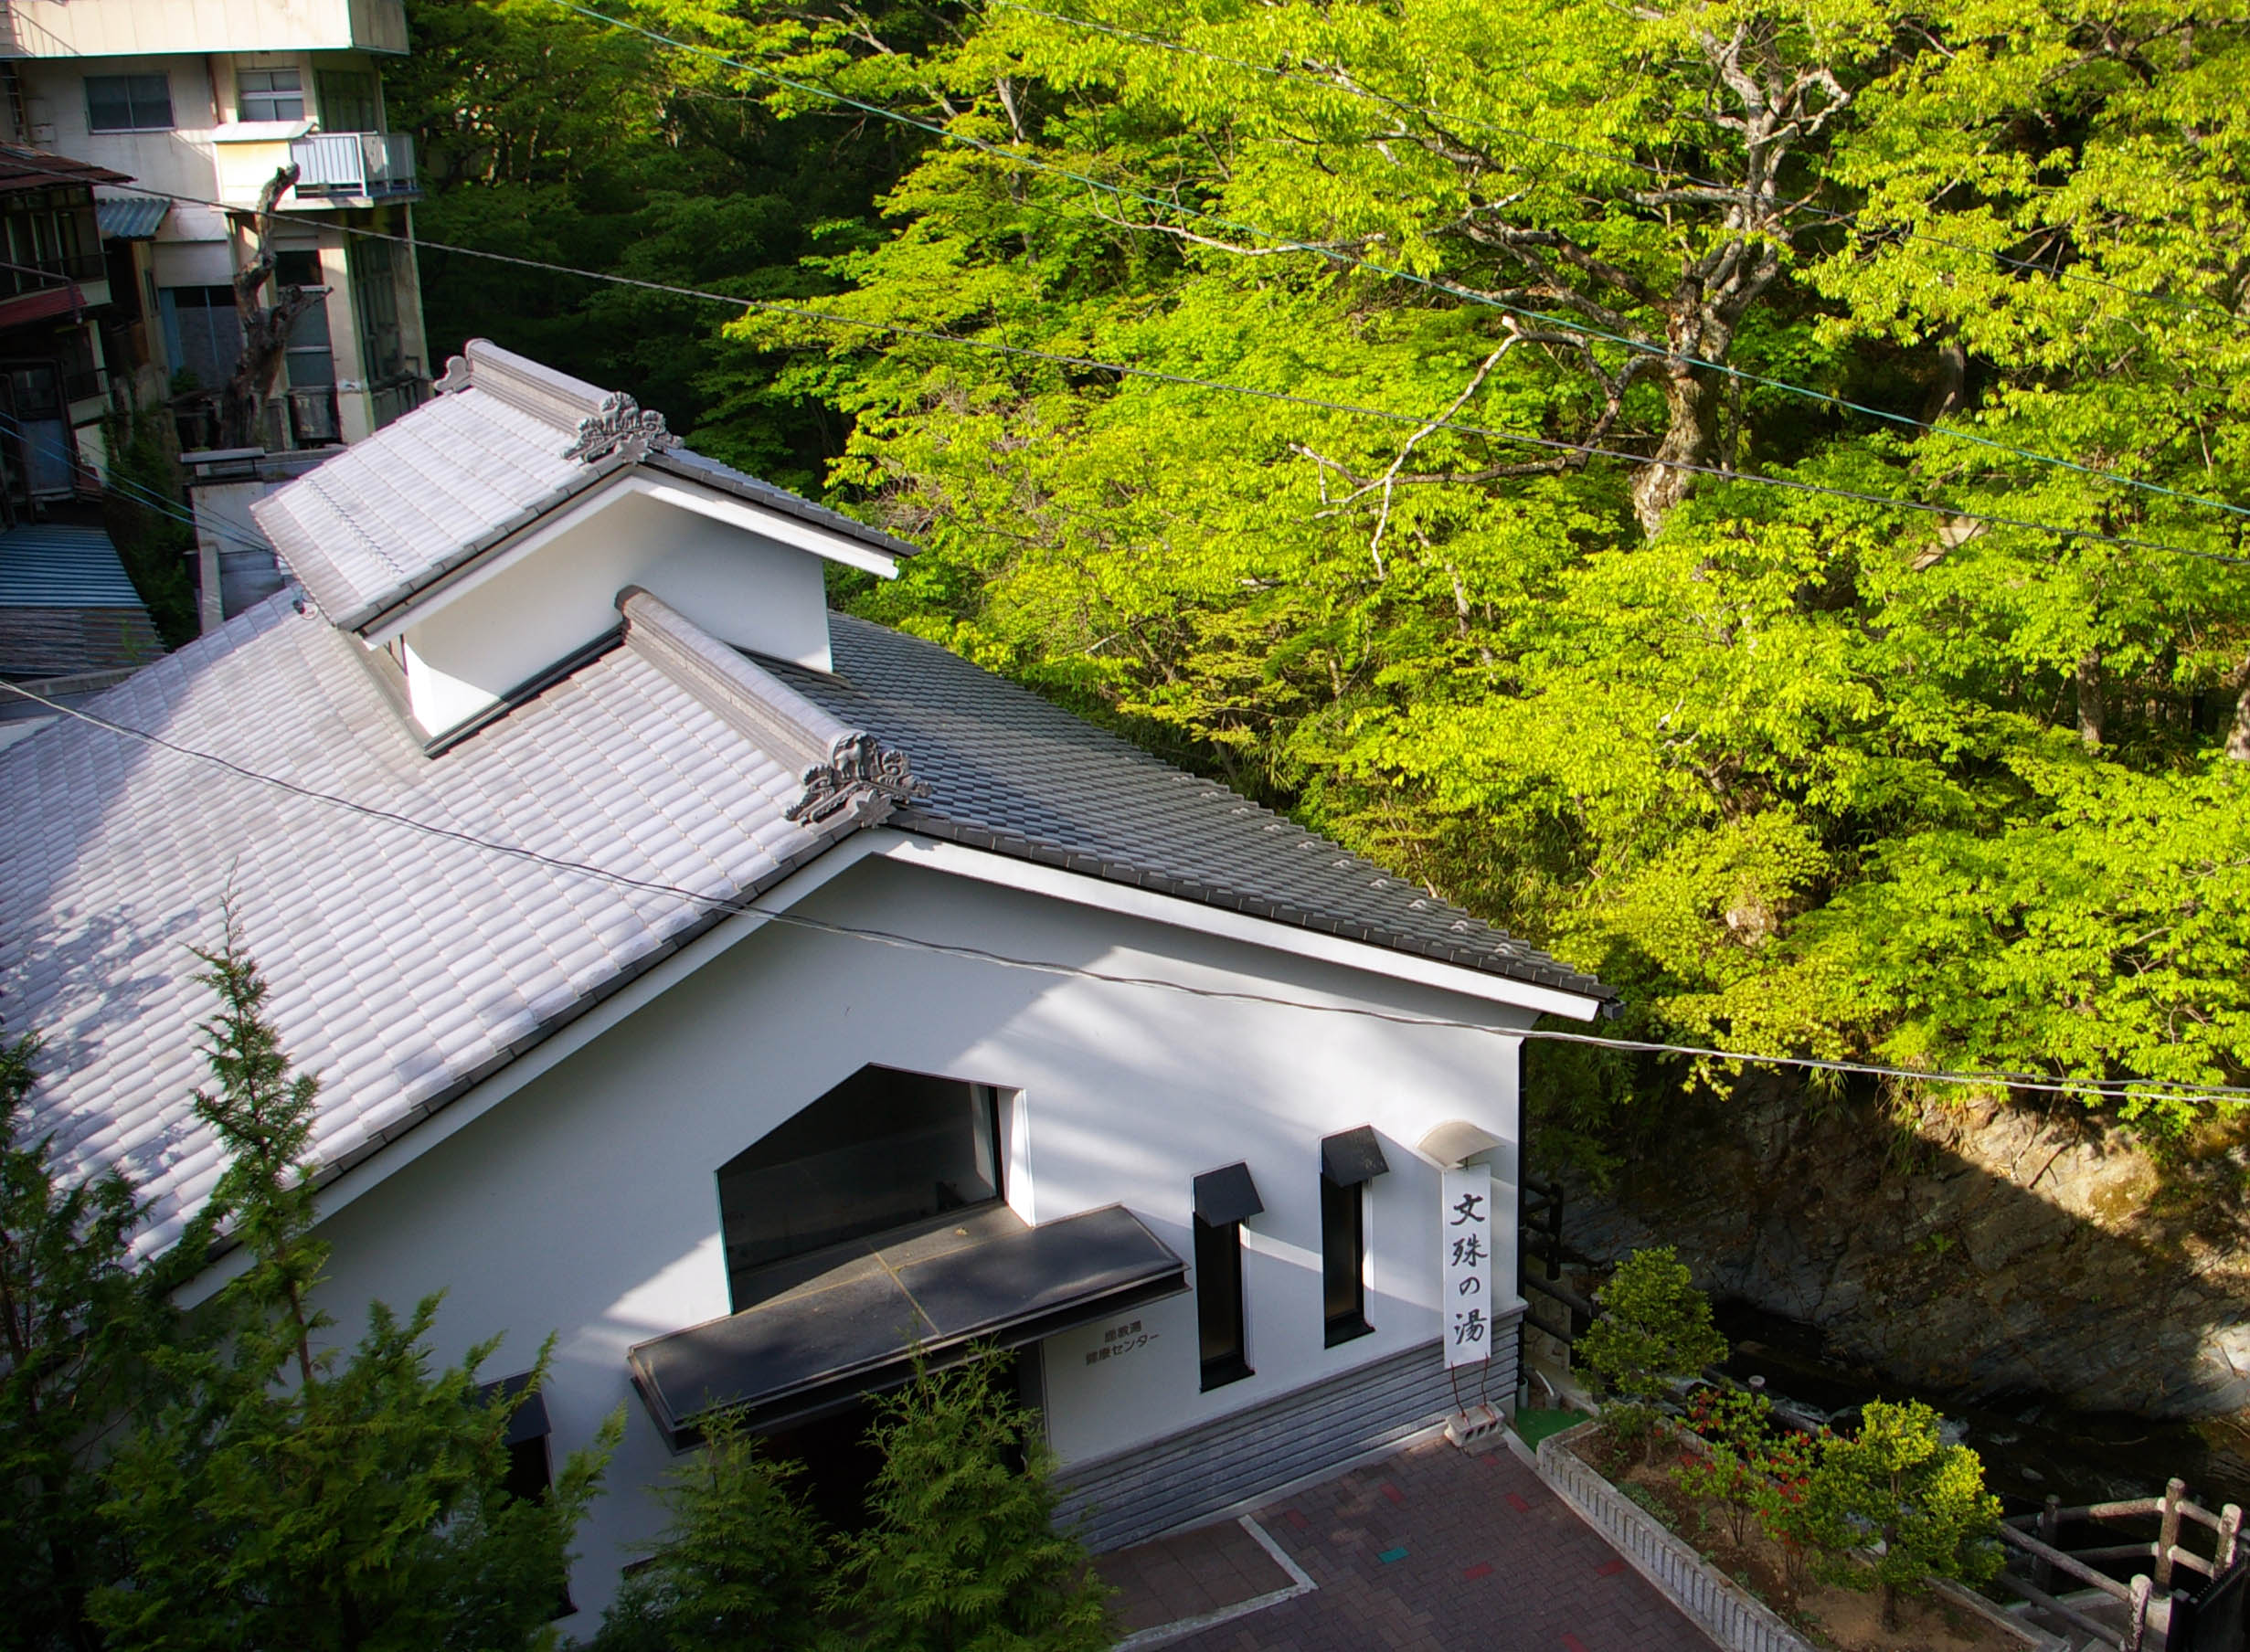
<point x="1721" y="1607"/>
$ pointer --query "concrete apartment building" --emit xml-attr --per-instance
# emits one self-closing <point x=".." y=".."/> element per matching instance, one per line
<point x="188" y="108"/>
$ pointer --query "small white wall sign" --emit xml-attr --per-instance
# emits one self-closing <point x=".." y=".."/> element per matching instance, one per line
<point x="1465" y="1262"/>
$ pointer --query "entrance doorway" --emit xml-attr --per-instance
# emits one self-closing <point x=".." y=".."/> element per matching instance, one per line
<point x="839" y="1459"/>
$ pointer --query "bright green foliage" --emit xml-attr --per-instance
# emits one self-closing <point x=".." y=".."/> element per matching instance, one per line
<point x="1793" y="772"/>
<point x="76" y="1332"/>
<point x="740" y="1565"/>
<point x="961" y="1554"/>
<point x="288" y="1495"/>
<point x="1654" y="1328"/>
<point x="1898" y="1482"/>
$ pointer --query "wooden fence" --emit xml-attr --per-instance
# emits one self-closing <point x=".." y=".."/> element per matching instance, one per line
<point x="2151" y="1601"/>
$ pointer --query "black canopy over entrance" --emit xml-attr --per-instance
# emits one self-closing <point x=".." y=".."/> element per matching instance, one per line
<point x="858" y="1322"/>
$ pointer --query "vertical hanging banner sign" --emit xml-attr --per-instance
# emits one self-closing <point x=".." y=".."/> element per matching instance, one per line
<point x="1465" y="1255"/>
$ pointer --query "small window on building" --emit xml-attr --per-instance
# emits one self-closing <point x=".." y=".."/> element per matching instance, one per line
<point x="350" y="101"/>
<point x="374" y="300"/>
<point x="203" y="335"/>
<point x="1343" y="1261"/>
<point x="268" y="94"/>
<point x="882" y="1150"/>
<point x="1349" y="1161"/>
<point x="531" y="1470"/>
<point x="128" y="103"/>
<point x="1224" y="1198"/>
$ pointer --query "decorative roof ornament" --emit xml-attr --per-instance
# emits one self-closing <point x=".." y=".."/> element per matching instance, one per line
<point x="455" y="378"/>
<point x="861" y="778"/>
<point x="620" y="426"/>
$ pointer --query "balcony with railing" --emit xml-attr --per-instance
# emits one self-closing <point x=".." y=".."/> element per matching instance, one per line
<point x="354" y="165"/>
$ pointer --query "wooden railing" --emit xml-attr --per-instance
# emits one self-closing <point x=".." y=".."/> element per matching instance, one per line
<point x="2148" y="1598"/>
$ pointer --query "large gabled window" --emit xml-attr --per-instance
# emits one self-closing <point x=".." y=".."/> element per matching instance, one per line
<point x="882" y="1150"/>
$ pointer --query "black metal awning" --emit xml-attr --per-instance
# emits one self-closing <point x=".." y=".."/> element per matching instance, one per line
<point x="858" y="1324"/>
<point x="1226" y="1194"/>
<point x="527" y="1421"/>
<point x="1352" y="1157"/>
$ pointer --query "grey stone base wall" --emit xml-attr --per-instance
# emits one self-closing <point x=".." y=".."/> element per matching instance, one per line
<point x="1134" y="1495"/>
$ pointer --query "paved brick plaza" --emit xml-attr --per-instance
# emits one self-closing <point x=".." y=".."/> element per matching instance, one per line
<point x="1434" y="1550"/>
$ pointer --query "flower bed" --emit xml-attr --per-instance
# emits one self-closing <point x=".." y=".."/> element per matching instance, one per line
<point x="1759" y="1598"/>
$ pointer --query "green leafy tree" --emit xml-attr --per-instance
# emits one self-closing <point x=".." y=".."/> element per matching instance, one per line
<point x="1898" y="1482"/>
<point x="289" y="1495"/>
<point x="1654" y="1329"/>
<point x="76" y="1328"/>
<point x="741" y="1564"/>
<point x="1731" y="766"/>
<point x="961" y="1554"/>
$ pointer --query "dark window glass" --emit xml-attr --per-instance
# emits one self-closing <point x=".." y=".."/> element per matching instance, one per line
<point x="375" y="299"/>
<point x="1344" y="1253"/>
<point x="205" y="334"/>
<point x="881" y="1149"/>
<point x="128" y="103"/>
<point x="1218" y="1302"/>
<point x="530" y="1477"/>
<point x="349" y="100"/>
<point x="268" y="94"/>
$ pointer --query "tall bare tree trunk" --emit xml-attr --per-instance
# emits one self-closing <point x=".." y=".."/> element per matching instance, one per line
<point x="2093" y="709"/>
<point x="265" y="328"/>
<point x="2239" y="738"/>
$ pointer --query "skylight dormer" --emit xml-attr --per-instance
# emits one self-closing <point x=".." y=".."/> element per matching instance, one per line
<point x="482" y="540"/>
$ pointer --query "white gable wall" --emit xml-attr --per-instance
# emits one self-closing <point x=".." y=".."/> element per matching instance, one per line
<point x="555" y="591"/>
<point x="586" y="1204"/>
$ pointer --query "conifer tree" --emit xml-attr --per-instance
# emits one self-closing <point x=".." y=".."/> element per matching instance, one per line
<point x="76" y="1328"/>
<point x="961" y="1554"/>
<point x="740" y="1565"/>
<point x="289" y="1495"/>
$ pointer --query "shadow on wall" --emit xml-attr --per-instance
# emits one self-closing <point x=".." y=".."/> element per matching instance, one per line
<point x="1999" y="1250"/>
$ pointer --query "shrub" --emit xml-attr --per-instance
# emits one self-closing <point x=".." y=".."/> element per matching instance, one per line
<point x="1655" y="1328"/>
<point x="1898" y="1483"/>
<point x="962" y="1554"/>
<point x="740" y="1564"/>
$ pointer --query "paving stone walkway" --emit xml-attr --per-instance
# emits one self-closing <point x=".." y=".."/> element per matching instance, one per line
<point x="1435" y="1551"/>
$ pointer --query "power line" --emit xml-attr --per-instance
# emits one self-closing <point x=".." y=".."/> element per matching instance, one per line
<point x="144" y="497"/>
<point x="1192" y="381"/>
<point x="1436" y="284"/>
<point x="2189" y="308"/>
<point x="2122" y="1090"/>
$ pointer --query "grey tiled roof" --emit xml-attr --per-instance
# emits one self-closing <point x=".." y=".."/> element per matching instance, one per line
<point x="403" y="967"/>
<point x="406" y="967"/>
<point x="1010" y="773"/>
<point x="484" y="458"/>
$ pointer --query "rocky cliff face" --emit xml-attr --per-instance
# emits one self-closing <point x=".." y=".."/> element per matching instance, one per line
<point x="1982" y="1252"/>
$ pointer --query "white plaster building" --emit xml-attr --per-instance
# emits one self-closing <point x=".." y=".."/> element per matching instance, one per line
<point x="206" y="102"/>
<point x="750" y="996"/>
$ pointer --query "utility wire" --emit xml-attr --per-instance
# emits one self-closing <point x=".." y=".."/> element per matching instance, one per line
<point x="1435" y="283"/>
<point x="144" y="497"/>
<point x="2125" y="1090"/>
<point x="2187" y="307"/>
<point x="1192" y="381"/>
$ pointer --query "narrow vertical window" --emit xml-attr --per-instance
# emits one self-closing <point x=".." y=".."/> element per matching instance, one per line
<point x="1349" y="1161"/>
<point x="1343" y="1261"/>
<point x="1222" y="1199"/>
